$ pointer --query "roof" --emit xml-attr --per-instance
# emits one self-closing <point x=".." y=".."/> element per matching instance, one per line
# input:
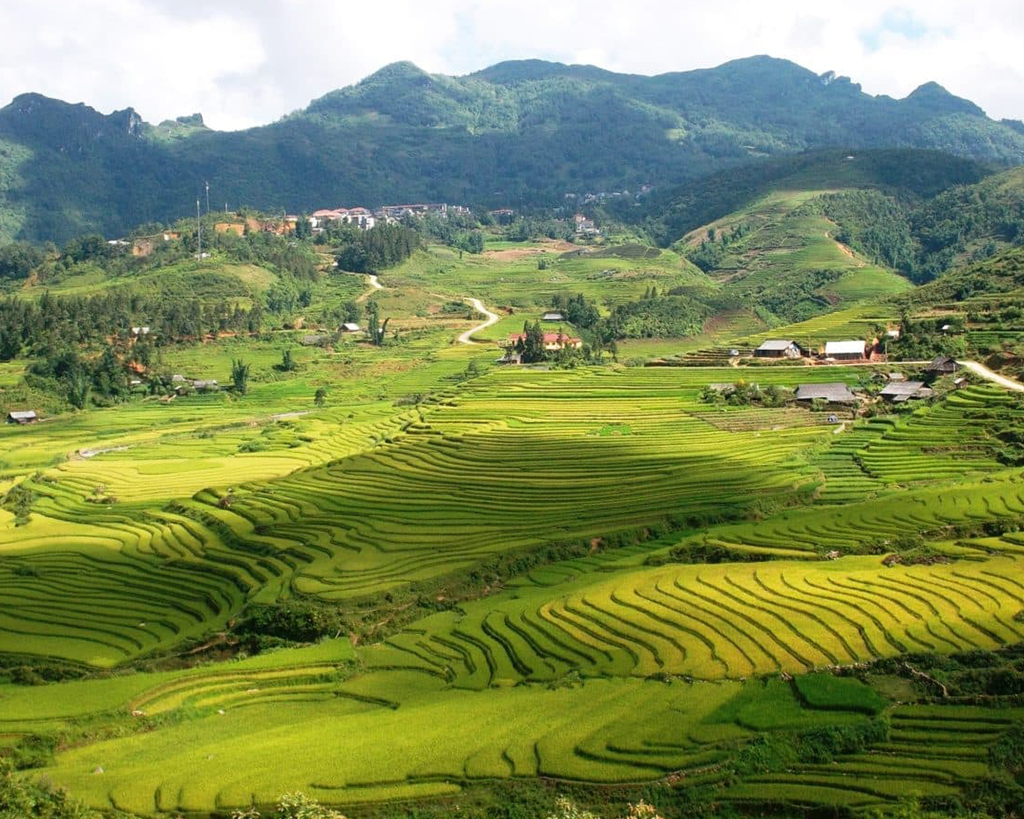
<point x="941" y="362"/>
<point x="777" y="344"/>
<point x="553" y="315"/>
<point x="203" y="384"/>
<point x="177" y="377"/>
<point x="845" y="348"/>
<point x="549" y="338"/>
<point x="907" y="388"/>
<point x="835" y="393"/>
<point x="22" y="415"/>
<point x="351" y="326"/>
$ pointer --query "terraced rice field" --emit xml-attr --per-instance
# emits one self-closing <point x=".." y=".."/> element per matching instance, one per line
<point x="599" y="731"/>
<point x="716" y="622"/>
<point x="421" y="493"/>
<point x="621" y="666"/>
<point x="932" y="751"/>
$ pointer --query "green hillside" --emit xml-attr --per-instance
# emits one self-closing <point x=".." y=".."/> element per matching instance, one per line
<point x="517" y="134"/>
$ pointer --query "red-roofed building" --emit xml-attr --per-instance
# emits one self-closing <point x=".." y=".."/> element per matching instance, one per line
<point x="552" y="341"/>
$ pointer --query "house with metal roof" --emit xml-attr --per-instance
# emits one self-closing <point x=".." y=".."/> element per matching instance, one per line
<point x="899" y="391"/>
<point x="553" y="315"/>
<point x="22" y="417"/>
<point x="778" y="348"/>
<point x="846" y="350"/>
<point x="834" y="393"/>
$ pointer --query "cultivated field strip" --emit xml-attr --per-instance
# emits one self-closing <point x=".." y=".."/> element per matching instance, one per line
<point x="852" y="528"/>
<point x="931" y="751"/>
<point x="713" y="622"/>
<point x="608" y="731"/>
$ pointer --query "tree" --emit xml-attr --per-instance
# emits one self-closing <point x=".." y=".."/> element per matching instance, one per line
<point x="475" y="243"/>
<point x="287" y="362"/>
<point x="351" y="312"/>
<point x="79" y="386"/>
<point x="18" y="259"/>
<point x="373" y="322"/>
<point x="531" y="345"/>
<point x="21" y="799"/>
<point x="240" y="376"/>
<point x="320" y="397"/>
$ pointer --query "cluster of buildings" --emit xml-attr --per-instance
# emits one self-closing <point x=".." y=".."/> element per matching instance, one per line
<point x="854" y="350"/>
<point x="604" y="196"/>
<point x="897" y="389"/>
<point x="183" y="385"/>
<point x="585" y="226"/>
<point x="364" y="218"/>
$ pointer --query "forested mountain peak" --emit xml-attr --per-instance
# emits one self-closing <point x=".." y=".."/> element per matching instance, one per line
<point x="519" y="134"/>
<point x="65" y="126"/>
<point x="934" y="96"/>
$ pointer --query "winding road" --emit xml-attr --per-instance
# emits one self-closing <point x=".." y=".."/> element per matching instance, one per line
<point x="374" y="285"/>
<point x="492" y="318"/>
<point x="982" y="371"/>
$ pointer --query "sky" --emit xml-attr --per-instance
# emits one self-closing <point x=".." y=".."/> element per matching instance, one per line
<point x="246" y="64"/>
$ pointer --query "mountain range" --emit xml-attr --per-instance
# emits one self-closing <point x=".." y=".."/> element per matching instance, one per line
<point x="518" y="134"/>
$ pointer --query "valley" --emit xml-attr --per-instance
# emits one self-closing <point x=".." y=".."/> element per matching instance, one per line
<point x="717" y="506"/>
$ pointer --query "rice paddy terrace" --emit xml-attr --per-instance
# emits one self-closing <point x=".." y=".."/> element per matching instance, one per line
<point x="632" y="661"/>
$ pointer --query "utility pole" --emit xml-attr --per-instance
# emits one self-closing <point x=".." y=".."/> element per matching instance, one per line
<point x="207" y="198"/>
<point x="199" y="230"/>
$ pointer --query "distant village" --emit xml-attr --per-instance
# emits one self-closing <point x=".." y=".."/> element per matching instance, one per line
<point x="358" y="217"/>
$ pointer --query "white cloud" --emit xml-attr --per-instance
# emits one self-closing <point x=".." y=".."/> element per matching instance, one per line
<point x="251" y="63"/>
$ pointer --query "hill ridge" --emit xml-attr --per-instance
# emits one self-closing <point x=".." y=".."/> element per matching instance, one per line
<point x="517" y="134"/>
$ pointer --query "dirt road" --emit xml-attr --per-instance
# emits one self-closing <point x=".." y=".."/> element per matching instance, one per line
<point x="982" y="371"/>
<point x="492" y="318"/>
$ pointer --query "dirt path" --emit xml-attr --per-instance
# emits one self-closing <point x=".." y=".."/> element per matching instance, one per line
<point x="846" y="250"/>
<point x="982" y="371"/>
<point x="374" y="286"/>
<point x="492" y="318"/>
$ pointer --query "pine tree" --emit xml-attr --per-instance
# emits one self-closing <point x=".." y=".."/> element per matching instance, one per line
<point x="240" y="376"/>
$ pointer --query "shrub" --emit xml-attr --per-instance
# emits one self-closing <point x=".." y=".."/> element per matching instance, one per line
<point x="830" y="693"/>
<point x="294" y="620"/>
<point x="20" y="799"/>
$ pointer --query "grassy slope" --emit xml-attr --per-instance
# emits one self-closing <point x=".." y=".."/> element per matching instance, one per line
<point x="780" y="249"/>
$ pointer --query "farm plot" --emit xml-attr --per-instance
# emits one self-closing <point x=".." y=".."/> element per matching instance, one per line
<point x="382" y="500"/>
<point x="452" y="487"/>
<point x="997" y="500"/>
<point x="714" y="622"/>
<point x="932" y="750"/>
<point x="517" y="460"/>
<point x="590" y="733"/>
